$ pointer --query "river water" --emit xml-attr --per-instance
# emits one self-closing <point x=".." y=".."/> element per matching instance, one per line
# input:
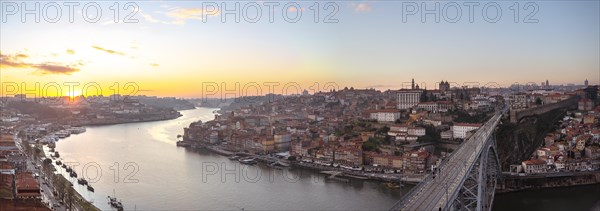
<point x="140" y="165"/>
<point x="585" y="197"/>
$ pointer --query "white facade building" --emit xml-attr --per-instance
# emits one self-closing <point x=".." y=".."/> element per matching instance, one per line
<point x="428" y="106"/>
<point x="384" y="115"/>
<point x="459" y="130"/>
<point x="416" y="131"/>
<point x="408" y="98"/>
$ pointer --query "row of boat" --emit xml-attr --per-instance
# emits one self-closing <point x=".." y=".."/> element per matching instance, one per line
<point x="251" y="161"/>
<point x="244" y="160"/>
<point x="73" y="174"/>
<point x="392" y="185"/>
<point x="113" y="202"/>
<point x="51" y="139"/>
<point x="67" y="132"/>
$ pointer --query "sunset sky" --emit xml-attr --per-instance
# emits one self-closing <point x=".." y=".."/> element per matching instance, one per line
<point x="172" y="50"/>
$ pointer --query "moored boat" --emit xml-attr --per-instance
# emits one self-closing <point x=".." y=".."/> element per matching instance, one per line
<point x="281" y="163"/>
<point x="248" y="161"/>
<point x="63" y="134"/>
<point x="182" y="144"/>
<point x="82" y="181"/>
<point x="392" y="185"/>
<point x="76" y="130"/>
<point x="112" y="201"/>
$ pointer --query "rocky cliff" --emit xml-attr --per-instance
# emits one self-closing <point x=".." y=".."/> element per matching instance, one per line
<point x="517" y="141"/>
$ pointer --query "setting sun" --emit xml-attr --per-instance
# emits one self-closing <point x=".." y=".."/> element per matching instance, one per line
<point x="73" y="93"/>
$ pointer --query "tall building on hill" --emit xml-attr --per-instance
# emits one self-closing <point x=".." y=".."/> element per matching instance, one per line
<point x="444" y="86"/>
<point x="408" y="98"/>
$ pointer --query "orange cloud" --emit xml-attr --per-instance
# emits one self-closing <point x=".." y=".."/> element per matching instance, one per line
<point x="15" y="61"/>
<point x="108" y="51"/>
<point x="12" y="61"/>
<point x="179" y="15"/>
<point x="182" y="14"/>
<point x="294" y="9"/>
<point x="154" y="65"/>
<point x="49" y="68"/>
<point x="69" y="51"/>
<point x="151" y="19"/>
<point x="362" y="7"/>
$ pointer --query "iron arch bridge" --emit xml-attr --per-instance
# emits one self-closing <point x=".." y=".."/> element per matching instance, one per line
<point x="466" y="180"/>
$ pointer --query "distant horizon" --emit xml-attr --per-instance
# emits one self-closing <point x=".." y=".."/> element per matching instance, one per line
<point x="229" y="92"/>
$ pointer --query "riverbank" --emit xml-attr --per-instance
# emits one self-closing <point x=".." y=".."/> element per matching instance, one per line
<point x="379" y="177"/>
<point x="350" y="174"/>
<point x="126" y="121"/>
<point x="63" y="189"/>
<point x="513" y="183"/>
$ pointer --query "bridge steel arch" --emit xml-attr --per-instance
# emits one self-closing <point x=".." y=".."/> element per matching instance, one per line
<point x="478" y="187"/>
<point x="468" y="176"/>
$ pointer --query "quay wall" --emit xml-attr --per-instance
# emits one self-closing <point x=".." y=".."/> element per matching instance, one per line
<point x="510" y="183"/>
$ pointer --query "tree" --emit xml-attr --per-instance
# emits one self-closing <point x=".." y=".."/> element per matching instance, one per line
<point x="432" y="132"/>
<point x="424" y="97"/>
<point x="432" y="98"/>
<point x="36" y="153"/>
<point x="425" y="139"/>
<point x="383" y="130"/>
<point x="462" y="116"/>
<point x="312" y="151"/>
<point x="538" y="101"/>
<point x="371" y="145"/>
